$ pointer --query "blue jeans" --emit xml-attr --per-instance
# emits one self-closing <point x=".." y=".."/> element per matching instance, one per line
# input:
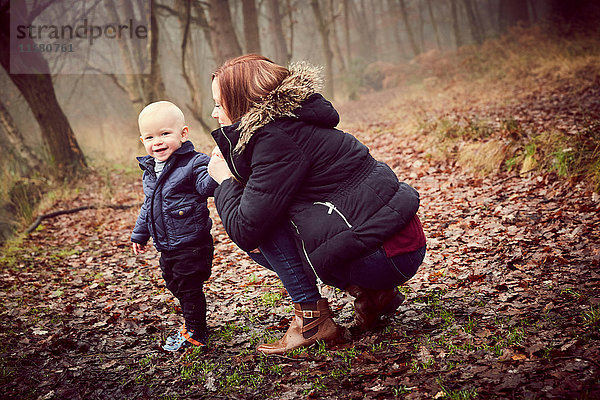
<point x="280" y="254"/>
<point x="374" y="271"/>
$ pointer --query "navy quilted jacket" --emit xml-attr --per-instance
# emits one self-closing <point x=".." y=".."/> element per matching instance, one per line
<point x="174" y="211"/>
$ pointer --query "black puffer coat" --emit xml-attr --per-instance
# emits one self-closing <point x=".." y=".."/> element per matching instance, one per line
<point x="293" y="167"/>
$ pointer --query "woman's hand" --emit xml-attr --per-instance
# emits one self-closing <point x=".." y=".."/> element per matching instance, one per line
<point x="217" y="167"/>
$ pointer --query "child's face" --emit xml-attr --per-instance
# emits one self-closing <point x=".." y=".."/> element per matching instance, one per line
<point x="162" y="133"/>
<point x="219" y="112"/>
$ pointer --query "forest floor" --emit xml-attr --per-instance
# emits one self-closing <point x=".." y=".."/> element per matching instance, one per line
<point x="505" y="305"/>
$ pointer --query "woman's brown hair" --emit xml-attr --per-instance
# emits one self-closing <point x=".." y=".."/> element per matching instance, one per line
<point x="245" y="80"/>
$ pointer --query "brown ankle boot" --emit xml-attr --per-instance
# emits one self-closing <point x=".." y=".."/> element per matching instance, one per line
<point x="312" y="322"/>
<point x="370" y="305"/>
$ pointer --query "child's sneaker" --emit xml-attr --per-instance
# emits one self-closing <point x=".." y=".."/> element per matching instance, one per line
<point x="185" y="338"/>
<point x="175" y="337"/>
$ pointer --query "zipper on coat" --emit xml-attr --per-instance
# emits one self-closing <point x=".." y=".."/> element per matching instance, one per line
<point x="319" y="281"/>
<point x="332" y="208"/>
<point x="236" y="173"/>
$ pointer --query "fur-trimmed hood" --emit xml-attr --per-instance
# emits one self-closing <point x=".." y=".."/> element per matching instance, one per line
<point x="296" y="97"/>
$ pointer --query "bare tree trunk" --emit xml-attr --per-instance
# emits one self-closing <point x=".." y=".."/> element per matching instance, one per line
<point x="222" y="35"/>
<point x="474" y="24"/>
<point x="421" y="27"/>
<point x="133" y="84"/>
<point x="251" y="37"/>
<point x="395" y="13"/>
<point x="202" y="21"/>
<point x="17" y="141"/>
<point x="336" y="42"/>
<point x="58" y="135"/>
<point x="434" y="25"/>
<point x="191" y="79"/>
<point x="347" y="30"/>
<point x="38" y="91"/>
<point x="513" y="12"/>
<point x="374" y="10"/>
<point x="532" y="11"/>
<point x="198" y="17"/>
<point x="409" y="32"/>
<point x="327" y="53"/>
<point x="152" y="85"/>
<point x="290" y="15"/>
<point x="277" y="36"/>
<point x="141" y="89"/>
<point x="455" y="24"/>
<point x="478" y="19"/>
<point x="364" y="42"/>
<point x="493" y="15"/>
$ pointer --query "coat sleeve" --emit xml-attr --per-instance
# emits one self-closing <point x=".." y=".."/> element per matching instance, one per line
<point x="140" y="233"/>
<point x="205" y="185"/>
<point x="249" y="213"/>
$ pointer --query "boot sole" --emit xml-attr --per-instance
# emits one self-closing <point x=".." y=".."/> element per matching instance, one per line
<point x="342" y="335"/>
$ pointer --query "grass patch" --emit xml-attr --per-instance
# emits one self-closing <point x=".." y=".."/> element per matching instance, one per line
<point x="23" y="198"/>
<point x="262" y="337"/>
<point x="18" y="254"/>
<point x="591" y="318"/>
<point x="461" y="394"/>
<point x="500" y="107"/>
<point x="271" y="299"/>
<point x="196" y="370"/>
<point x="483" y="157"/>
<point x="226" y="333"/>
<point x="567" y="155"/>
<point x="316" y="386"/>
<point x="457" y="335"/>
<point x="348" y="355"/>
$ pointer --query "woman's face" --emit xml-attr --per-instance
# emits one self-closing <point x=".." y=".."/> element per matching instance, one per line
<point x="219" y="112"/>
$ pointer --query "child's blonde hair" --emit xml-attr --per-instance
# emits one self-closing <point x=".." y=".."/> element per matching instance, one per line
<point x="163" y="105"/>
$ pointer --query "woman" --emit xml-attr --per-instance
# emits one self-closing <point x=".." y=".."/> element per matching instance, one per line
<point x="309" y="197"/>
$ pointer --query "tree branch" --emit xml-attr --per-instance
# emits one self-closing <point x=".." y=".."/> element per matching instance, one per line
<point x="198" y="21"/>
<point x="53" y="214"/>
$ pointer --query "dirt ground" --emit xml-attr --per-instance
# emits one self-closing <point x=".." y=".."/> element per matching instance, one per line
<point x="506" y="304"/>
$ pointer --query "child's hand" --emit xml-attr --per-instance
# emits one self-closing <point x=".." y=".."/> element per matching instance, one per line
<point x="138" y="248"/>
<point x="217" y="153"/>
<point x="217" y="167"/>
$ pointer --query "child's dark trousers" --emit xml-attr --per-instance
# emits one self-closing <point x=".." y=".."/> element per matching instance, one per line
<point x="185" y="272"/>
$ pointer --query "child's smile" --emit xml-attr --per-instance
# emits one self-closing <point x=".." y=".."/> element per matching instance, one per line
<point x="159" y="151"/>
<point x="162" y="133"/>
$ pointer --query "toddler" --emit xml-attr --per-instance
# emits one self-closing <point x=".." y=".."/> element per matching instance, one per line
<point x="175" y="214"/>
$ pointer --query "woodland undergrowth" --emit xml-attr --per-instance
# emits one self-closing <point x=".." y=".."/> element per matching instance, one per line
<point x="527" y="101"/>
<point x="505" y="305"/>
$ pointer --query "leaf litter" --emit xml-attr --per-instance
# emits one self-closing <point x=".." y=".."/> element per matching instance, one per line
<point x="506" y="304"/>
